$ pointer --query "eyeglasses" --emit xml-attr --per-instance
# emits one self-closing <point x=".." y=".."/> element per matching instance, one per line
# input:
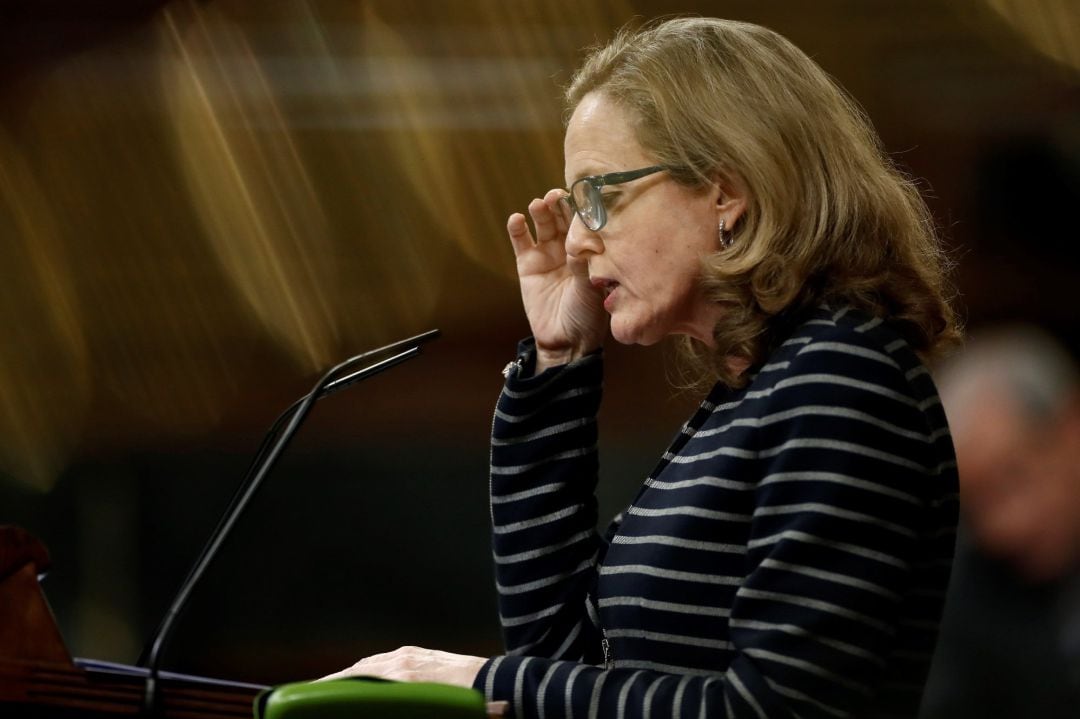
<point x="587" y="201"/>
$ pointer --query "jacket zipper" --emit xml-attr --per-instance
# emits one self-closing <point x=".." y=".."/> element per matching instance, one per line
<point x="609" y="657"/>
<point x="491" y="458"/>
<point x="516" y="364"/>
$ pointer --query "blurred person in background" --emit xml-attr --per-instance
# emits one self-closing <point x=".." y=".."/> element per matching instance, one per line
<point x="788" y="555"/>
<point x="1010" y="641"/>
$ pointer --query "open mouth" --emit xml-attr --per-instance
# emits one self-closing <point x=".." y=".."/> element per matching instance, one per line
<point x="607" y="290"/>
<point x="605" y="286"/>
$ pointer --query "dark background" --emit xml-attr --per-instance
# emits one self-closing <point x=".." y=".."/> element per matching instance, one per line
<point x="203" y="204"/>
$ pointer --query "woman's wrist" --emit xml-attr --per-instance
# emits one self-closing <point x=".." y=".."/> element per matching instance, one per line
<point x="547" y="358"/>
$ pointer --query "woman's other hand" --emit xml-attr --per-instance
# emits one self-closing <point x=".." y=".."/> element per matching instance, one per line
<point x="416" y="664"/>
<point x="565" y="312"/>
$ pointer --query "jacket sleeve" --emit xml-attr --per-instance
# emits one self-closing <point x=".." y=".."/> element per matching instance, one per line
<point x="845" y="471"/>
<point x="543" y="509"/>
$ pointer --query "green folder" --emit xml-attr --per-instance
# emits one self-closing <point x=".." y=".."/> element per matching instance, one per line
<point x="369" y="697"/>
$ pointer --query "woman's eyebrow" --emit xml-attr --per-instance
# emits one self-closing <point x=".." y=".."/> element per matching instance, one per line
<point x="589" y="169"/>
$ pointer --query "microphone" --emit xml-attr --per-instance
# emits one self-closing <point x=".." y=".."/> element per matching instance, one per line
<point x="270" y="449"/>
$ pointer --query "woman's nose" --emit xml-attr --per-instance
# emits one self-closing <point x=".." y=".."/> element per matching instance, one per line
<point x="580" y="240"/>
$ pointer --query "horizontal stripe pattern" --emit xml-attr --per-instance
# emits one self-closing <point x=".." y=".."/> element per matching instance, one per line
<point x="788" y="555"/>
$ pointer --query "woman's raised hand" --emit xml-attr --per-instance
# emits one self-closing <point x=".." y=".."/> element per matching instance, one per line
<point x="565" y="312"/>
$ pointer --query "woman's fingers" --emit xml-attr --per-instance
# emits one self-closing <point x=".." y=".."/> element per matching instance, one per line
<point x="544" y="221"/>
<point x="550" y="215"/>
<point x="559" y="209"/>
<point x="550" y="220"/>
<point x="518" y="229"/>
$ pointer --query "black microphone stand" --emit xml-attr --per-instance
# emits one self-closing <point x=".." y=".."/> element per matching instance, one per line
<point x="264" y="460"/>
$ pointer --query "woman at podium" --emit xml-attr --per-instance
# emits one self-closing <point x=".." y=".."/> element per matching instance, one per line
<point x="788" y="554"/>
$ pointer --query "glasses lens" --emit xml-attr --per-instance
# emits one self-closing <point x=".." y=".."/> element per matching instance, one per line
<point x="590" y="205"/>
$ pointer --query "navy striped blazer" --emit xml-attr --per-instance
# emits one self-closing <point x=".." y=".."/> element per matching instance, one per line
<point x="788" y="556"/>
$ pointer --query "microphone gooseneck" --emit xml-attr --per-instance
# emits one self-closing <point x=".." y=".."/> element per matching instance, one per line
<point x="270" y="449"/>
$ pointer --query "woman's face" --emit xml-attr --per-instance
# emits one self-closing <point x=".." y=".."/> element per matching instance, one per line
<point x="647" y="258"/>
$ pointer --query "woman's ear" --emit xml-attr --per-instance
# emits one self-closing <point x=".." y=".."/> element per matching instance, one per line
<point x="731" y="200"/>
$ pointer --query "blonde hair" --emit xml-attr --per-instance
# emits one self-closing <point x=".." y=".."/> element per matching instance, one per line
<point x="829" y="218"/>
